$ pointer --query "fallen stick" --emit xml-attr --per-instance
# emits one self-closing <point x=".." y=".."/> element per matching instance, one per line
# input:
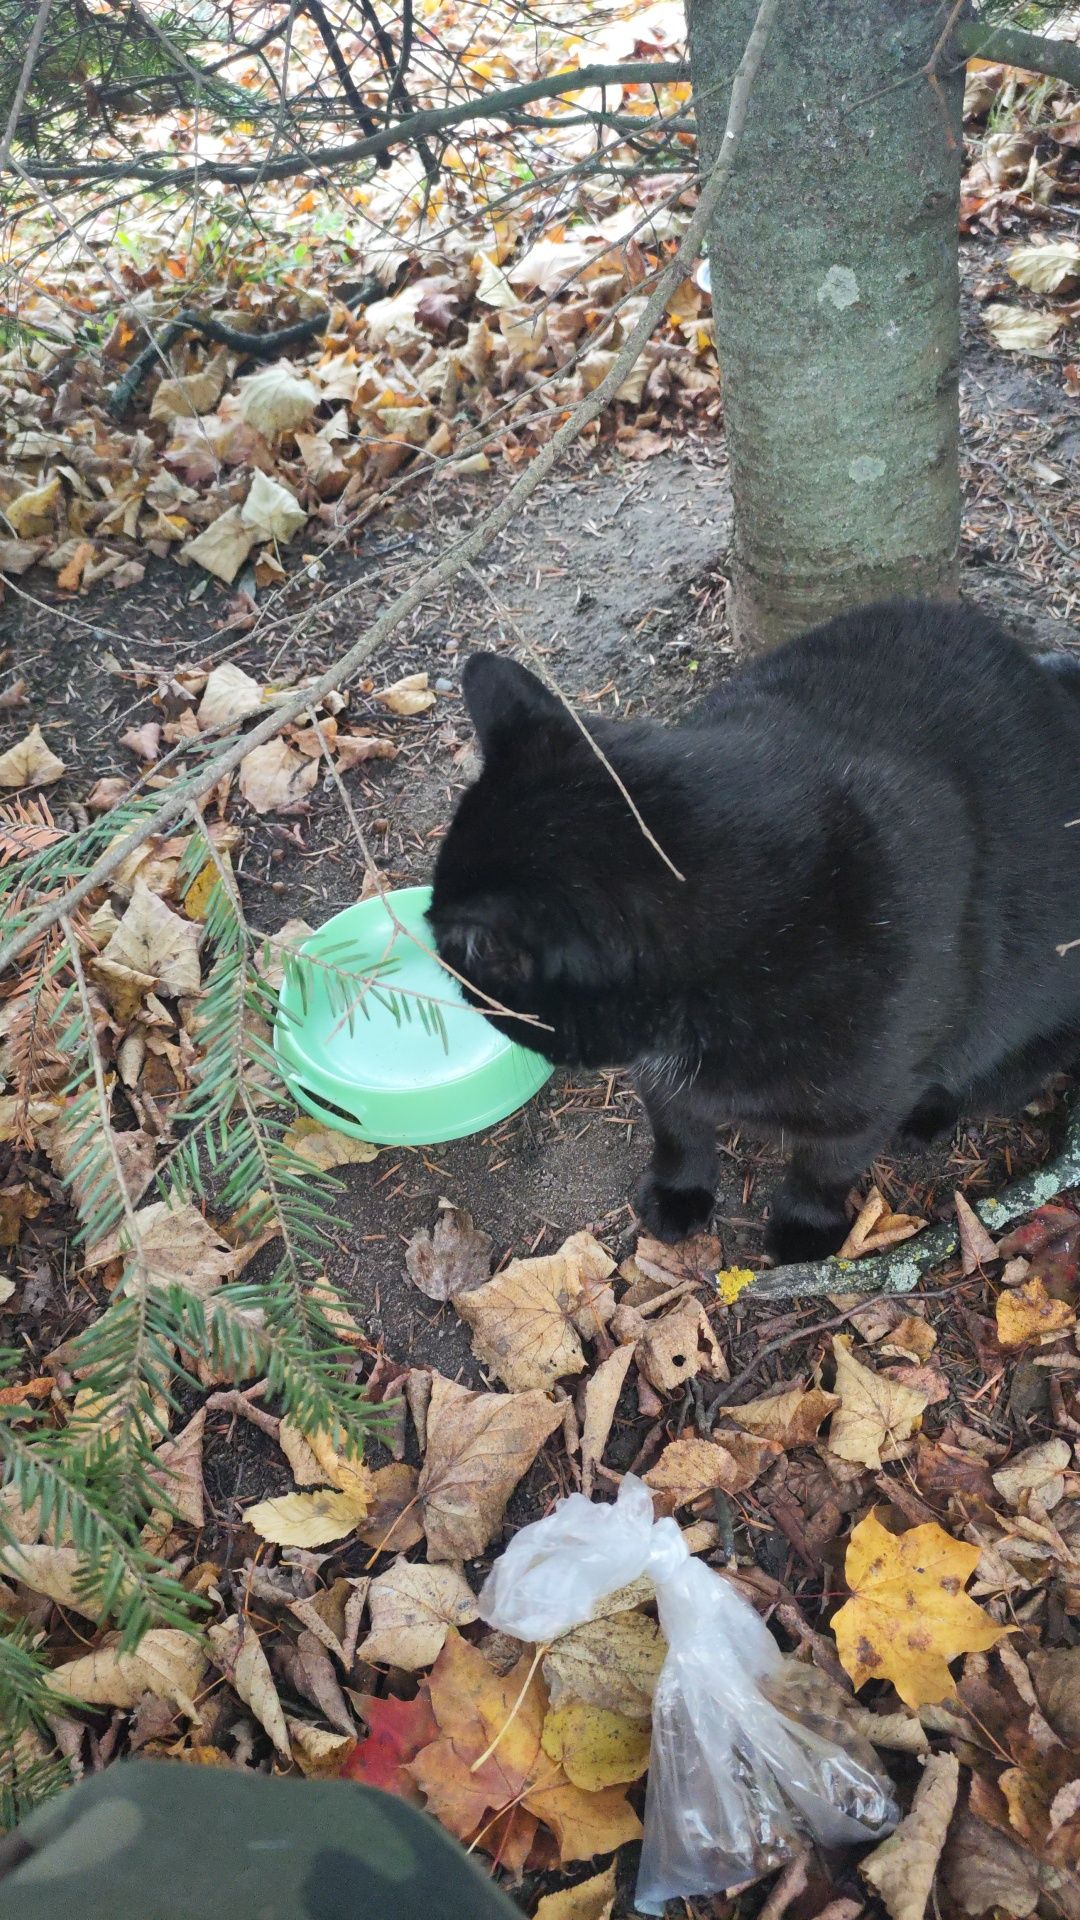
<point x="901" y="1269"/>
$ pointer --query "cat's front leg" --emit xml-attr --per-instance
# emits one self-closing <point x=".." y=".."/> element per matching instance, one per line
<point x="809" y="1217"/>
<point x="676" y="1196"/>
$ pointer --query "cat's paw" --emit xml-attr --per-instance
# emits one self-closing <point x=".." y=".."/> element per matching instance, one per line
<point x="934" y="1114"/>
<point x="792" y="1238"/>
<point x="672" y="1213"/>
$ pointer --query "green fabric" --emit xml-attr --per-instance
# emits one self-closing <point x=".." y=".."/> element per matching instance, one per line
<point x="157" y="1840"/>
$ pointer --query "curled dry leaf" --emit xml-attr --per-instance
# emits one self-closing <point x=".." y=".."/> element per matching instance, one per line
<point x="901" y="1870"/>
<point x="1018" y="331"/>
<point x="271" y="511"/>
<point x="1028" y="1316"/>
<point x="877" y="1228"/>
<point x="230" y="695"/>
<point x="478" y="1447"/>
<point x="680" y="1345"/>
<point x="34" y="512"/>
<point x="276" y="400"/>
<point x="412" y="1610"/>
<point x="454" y="1257"/>
<point x="151" y="939"/>
<point x="30" y="763"/>
<point x="909" y="1615"/>
<point x="223" y="546"/>
<point x="602" y="1391"/>
<point x="876" y="1415"/>
<point x="57" y="1572"/>
<point x="524" y="1319"/>
<point x="167" y="1663"/>
<point x="590" y="1900"/>
<point x="276" y="779"/>
<point x="177" y="1471"/>
<point x="977" y="1248"/>
<point x="319" y="1754"/>
<point x="791" y="1417"/>
<point x="238" y="1653"/>
<point x="1045" y="269"/>
<point x="410" y="695"/>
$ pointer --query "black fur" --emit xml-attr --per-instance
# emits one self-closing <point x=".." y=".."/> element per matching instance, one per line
<point x="872" y="827"/>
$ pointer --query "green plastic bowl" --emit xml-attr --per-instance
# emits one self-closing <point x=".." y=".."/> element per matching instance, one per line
<point x="385" y="1070"/>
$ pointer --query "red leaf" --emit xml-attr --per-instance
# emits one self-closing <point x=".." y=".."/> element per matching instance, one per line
<point x="397" y="1731"/>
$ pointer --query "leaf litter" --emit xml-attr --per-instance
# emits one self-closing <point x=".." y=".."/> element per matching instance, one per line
<point x="838" y="1452"/>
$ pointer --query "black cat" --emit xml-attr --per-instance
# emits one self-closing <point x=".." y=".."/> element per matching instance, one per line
<point x="873" y="825"/>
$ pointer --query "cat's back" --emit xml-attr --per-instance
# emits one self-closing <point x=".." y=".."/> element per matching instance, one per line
<point x="939" y="682"/>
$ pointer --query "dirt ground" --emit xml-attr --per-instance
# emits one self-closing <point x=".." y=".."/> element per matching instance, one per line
<point x="617" y="578"/>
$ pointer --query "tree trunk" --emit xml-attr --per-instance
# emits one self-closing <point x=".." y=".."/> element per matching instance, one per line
<point x="836" y="305"/>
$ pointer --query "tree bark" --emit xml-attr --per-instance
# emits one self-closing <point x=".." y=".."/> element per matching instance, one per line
<point x="836" y="305"/>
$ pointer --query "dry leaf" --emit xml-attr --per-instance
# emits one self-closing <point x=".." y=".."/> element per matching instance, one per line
<point x="613" y="1662"/>
<point x="909" y="1615"/>
<point x="1028" y="1316"/>
<point x="276" y="400"/>
<point x="34" y="512"/>
<point x="976" y="1246"/>
<point x="478" y="1447"/>
<point x="523" y="1319"/>
<point x="223" y="546"/>
<point x="602" y="1392"/>
<point x="877" y="1228"/>
<point x="393" y="1518"/>
<point x="876" y="1415"/>
<point x="910" y="1339"/>
<point x="324" y="1147"/>
<point x="594" y="1747"/>
<point x="1045" y="269"/>
<point x="271" y="510"/>
<point x="409" y="695"/>
<point x="319" y="1754"/>
<point x="179" y="1248"/>
<point x="589" y="1900"/>
<point x="30" y="763"/>
<point x="238" y="1653"/>
<point x="275" y="779"/>
<point x="986" y="1872"/>
<point x="791" y="1417"/>
<point x="1018" y="331"/>
<point x="57" y="1572"/>
<point x="336" y="1314"/>
<point x="454" y="1258"/>
<point x="680" y="1345"/>
<point x="304" y="1519"/>
<point x="689" y="1468"/>
<point x="1038" y="1470"/>
<point x="152" y="939"/>
<point x="230" y="695"/>
<point x="177" y="1470"/>
<point x="901" y="1870"/>
<point x="167" y="1663"/>
<point x="412" y="1610"/>
<point x="192" y="393"/>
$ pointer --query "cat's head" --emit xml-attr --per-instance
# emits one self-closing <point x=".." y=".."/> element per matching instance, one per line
<point x="544" y="884"/>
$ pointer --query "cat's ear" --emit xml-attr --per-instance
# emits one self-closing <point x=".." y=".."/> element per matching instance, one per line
<point x="504" y="698"/>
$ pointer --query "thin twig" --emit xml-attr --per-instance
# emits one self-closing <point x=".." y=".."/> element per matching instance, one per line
<point x="185" y="790"/>
<point x="25" y="77"/>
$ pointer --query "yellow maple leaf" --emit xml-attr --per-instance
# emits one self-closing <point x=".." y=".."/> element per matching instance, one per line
<point x="1030" y="1315"/>
<point x="595" y="1747"/>
<point x="908" y="1615"/>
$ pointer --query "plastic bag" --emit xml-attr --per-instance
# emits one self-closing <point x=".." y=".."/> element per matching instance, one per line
<point x="734" y="1776"/>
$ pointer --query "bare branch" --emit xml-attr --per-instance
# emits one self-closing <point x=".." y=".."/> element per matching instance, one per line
<point x="44" y="10"/>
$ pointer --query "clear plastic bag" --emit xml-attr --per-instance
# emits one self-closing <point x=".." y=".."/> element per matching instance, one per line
<point x="738" y="1768"/>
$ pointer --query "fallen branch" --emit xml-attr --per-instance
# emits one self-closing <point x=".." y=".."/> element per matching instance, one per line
<point x="901" y="1269"/>
<point x="256" y="346"/>
<point x="191" y="787"/>
<point x="430" y="120"/>
<point x="1012" y="47"/>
